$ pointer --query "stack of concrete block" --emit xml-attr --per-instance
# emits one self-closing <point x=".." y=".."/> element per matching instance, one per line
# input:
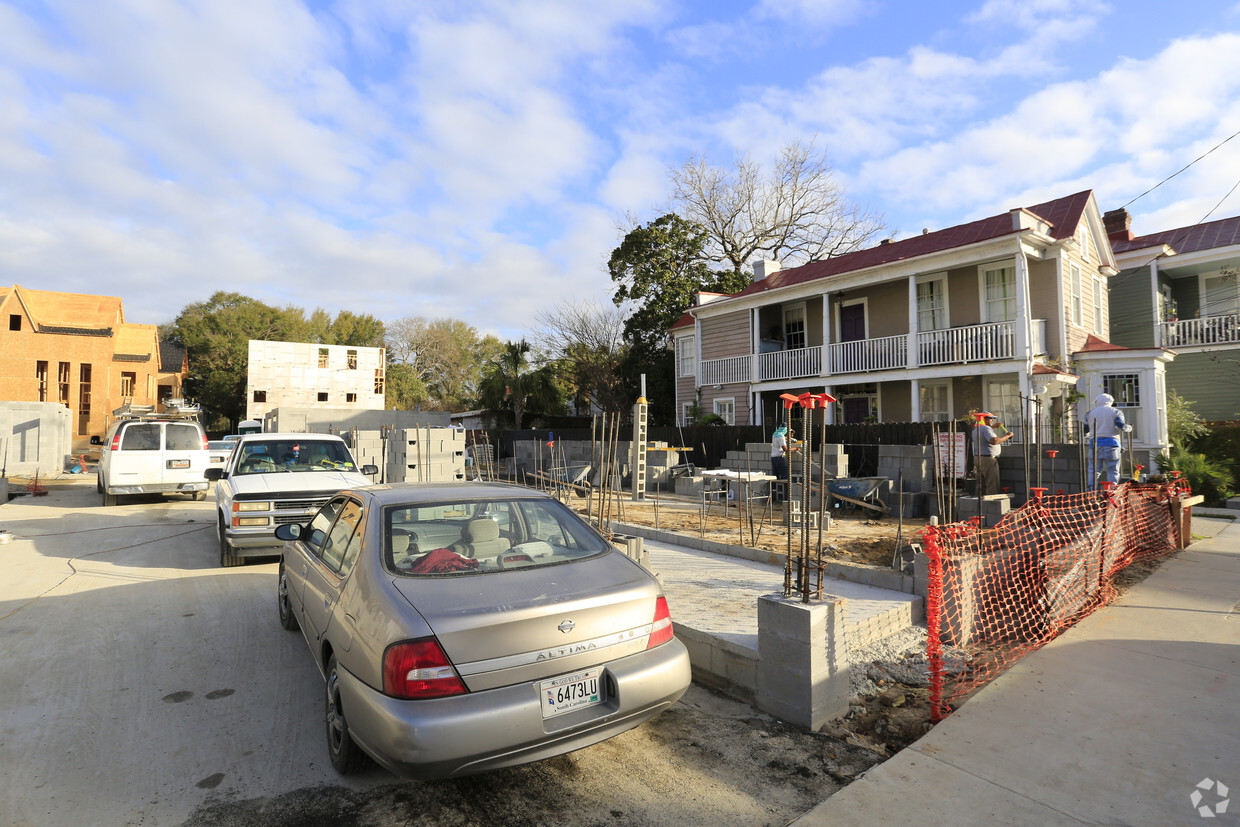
<point x="914" y="463"/>
<point x="367" y="447"/>
<point x="991" y="508"/>
<point x="426" y="455"/>
<point x="832" y="459"/>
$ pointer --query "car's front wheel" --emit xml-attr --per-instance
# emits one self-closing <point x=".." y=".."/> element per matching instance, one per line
<point x="227" y="557"/>
<point x="287" y="620"/>
<point x="346" y="756"/>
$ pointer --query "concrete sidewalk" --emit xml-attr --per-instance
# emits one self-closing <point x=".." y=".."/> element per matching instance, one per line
<point x="1120" y="720"/>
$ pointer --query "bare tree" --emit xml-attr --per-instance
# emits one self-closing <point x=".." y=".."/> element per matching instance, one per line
<point x="586" y="341"/>
<point x="447" y="355"/>
<point x="798" y="213"/>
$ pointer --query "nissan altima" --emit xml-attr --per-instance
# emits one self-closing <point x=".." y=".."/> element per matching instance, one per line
<point x="462" y="628"/>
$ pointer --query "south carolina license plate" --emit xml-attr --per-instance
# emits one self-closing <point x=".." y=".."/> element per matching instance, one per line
<point x="569" y="692"/>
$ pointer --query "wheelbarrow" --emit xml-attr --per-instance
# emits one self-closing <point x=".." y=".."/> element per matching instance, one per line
<point x="859" y="491"/>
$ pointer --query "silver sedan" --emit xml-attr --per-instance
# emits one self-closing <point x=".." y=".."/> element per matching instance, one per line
<point x="464" y="628"/>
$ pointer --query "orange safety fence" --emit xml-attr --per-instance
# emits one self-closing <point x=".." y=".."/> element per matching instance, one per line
<point x="996" y="594"/>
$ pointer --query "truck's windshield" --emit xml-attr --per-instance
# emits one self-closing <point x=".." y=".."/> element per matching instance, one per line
<point x="284" y="455"/>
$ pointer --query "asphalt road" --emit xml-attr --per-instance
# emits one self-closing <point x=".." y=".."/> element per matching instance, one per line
<point x="143" y="684"/>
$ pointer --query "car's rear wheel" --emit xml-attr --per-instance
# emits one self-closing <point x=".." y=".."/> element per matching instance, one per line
<point x="346" y="756"/>
<point x="227" y="557"/>
<point x="286" y="609"/>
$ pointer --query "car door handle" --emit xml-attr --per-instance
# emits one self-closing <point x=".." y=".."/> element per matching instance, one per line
<point x="327" y="603"/>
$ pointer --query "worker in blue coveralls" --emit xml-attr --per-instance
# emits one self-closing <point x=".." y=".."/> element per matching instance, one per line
<point x="780" y="448"/>
<point x="1104" y="424"/>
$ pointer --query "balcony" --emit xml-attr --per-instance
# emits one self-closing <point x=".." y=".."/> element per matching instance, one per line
<point x="1211" y="330"/>
<point x="957" y="345"/>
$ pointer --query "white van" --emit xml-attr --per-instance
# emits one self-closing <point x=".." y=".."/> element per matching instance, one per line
<point x="153" y="454"/>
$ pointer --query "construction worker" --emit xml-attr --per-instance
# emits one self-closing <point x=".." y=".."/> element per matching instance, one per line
<point x="1104" y="424"/>
<point x="780" y="447"/>
<point x="986" y="448"/>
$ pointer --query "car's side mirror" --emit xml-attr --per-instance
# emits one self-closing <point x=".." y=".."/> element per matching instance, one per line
<point x="289" y="531"/>
<point x="370" y="470"/>
<point x="214" y="473"/>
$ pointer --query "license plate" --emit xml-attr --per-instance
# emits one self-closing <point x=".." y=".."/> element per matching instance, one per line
<point x="569" y="692"/>
<point x="178" y="463"/>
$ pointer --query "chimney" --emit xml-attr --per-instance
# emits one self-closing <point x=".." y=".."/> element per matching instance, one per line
<point x="764" y="268"/>
<point x="1118" y="224"/>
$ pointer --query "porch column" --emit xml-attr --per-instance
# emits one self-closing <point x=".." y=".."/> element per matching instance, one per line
<point x="1023" y="321"/>
<point x="1154" y="293"/>
<point x="915" y="407"/>
<point x="826" y="334"/>
<point x="914" y="357"/>
<point x="755" y="346"/>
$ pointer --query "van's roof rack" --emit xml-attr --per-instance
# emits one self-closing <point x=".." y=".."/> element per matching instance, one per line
<point x="173" y="409"/>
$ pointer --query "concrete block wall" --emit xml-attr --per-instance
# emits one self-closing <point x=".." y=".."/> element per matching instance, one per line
<point x="914" y="462"/>
<point x="412" y="454"/>
<point x="35" y="437"/>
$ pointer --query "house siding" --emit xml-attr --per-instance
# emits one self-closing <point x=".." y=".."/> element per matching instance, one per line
<point x="1208" y="380"/>
<point x="964" y="296"/>
<point x="1043" y="301"/>
<point x="725" y="336"/>
<point x="896" y="401"/>
<point x="1134" y="317"/>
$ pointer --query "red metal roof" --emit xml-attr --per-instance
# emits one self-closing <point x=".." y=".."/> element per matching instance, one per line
<point x="1063" y="214"/>
<point x="1222" y="233"/>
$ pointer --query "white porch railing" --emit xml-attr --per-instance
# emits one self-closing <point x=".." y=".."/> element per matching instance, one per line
<point x="727" y="371"/>
<point x="790" y="364"/>
<point x="974" y="343"/>
<point x="866" y="355"/>
<point x="1212" y="330"/>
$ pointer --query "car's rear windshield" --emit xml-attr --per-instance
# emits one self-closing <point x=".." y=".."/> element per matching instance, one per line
<point x="446" y="538"/>
<point x="271" y="456"/>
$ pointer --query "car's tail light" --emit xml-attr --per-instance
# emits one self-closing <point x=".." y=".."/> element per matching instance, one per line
<point x="116" y="441"/>
<point x="205" y="446"/>
<point x="419" y="669"/>
<point x="661" y="631"/>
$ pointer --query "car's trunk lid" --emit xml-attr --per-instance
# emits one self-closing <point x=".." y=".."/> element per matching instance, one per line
<point x="507" y="627"/>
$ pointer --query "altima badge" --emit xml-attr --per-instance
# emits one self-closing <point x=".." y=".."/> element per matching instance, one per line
<point x="567" y="626"/>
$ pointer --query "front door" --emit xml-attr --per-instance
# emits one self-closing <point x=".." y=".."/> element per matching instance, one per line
<point x="856" y="409"/>
<point x="852" y="322"/>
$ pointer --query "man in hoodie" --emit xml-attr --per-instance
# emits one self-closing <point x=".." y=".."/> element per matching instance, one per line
<point x="780" y="448"/>
<point x="1104" y="424"/>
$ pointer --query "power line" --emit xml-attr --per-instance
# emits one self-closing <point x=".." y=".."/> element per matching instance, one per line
<point x="1174" y="174"/>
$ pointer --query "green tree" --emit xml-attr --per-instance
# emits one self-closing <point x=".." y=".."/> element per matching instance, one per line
<point x="404" y="389"/>
<point x="658" y="268"/>
<point x="1183" y="423"/>
<point x="447" y="356"/>
<point x="216" y="335"/>
<point x="515" y="382"/>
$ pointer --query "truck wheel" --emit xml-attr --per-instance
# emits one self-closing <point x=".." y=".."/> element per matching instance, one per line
<point x="227" y="557"/>
<point x="199" y="496"/>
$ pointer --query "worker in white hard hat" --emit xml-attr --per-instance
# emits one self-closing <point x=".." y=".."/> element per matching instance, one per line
<point x="1104" y="424"/>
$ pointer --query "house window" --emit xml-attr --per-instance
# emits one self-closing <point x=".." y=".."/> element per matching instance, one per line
<point x="62" y="381"/>
<point x="1220" y="295"/>
<point x="1000" y="286"/>
<point x="15" y="321"/>
<point x="260" y="396"/>
<point x="1098" y="318"/>
<point x="726" y="410"/>
<point x="686" y="413"/>
<point x="322" y="357"/>
<point x="128" y="379"/>
<point x="40" y="375"/>
<point x="322" y="396"/>
<point x="934" y="402"/>
<point x="83" y="399"/>
<point x="932" y="304"/>
<point x="1003" y="400"/>
<point x="378" y="382"/>
<point x="352" y="360"/>
<point x="687" y="355"/>
<point x="794" y="327"/>
<point x="350" y="397"/>
<point x="1124" y="387"/>
<point x="1078" y="313"/>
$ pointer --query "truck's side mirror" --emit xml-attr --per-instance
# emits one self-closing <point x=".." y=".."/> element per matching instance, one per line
<point x="96" y="440"/>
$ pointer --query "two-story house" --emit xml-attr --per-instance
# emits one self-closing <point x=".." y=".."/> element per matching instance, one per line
<point x="1004" y="314"/>
<point x="1180" y="289"/>
<point x="77" y="350"/>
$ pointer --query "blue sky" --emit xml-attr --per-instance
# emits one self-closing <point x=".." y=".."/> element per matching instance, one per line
<point x="475" y="159"/>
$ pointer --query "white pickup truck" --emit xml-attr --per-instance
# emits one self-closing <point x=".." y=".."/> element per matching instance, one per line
<point x="274" y="479"/>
